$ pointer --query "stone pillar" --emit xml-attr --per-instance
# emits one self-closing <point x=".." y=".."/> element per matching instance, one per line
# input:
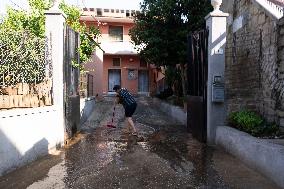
<point x="54" y="26"/>
<point x="216" y="115"/>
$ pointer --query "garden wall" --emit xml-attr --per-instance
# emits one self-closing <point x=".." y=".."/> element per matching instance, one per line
<point x="171" y="110"/>
<point x="254" y="79"/>
<point x="24" y="95"/>
<point x="265" y="157"/>
<point x="87" y="106"/>
<point x="27" y="134"/>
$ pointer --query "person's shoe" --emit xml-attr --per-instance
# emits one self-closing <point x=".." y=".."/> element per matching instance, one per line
<point x="135" y="134"/>
<point x="140" y="139"/>
<point x="125" y="131"/>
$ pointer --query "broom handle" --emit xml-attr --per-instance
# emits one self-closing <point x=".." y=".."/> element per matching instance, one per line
<point x="113" y="114"/>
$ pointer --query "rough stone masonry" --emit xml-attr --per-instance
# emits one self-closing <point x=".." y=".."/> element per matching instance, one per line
<point x="254" y="67"/>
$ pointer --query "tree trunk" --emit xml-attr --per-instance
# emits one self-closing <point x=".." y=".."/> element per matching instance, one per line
<point x="184" y="79"/>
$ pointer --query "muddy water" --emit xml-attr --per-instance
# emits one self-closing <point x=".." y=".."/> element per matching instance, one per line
<point x="168" y="157"/>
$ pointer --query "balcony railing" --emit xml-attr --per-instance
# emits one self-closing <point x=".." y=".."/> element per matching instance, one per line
<point x="271" y="7"/>
<point x="116" y="47"/>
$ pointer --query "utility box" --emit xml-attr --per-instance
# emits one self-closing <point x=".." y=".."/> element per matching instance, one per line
<point x="218" y="90"/>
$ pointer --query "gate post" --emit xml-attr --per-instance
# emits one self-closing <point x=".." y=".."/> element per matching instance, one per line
<point x="216" y="23"/>
<point x="54" y="28"/>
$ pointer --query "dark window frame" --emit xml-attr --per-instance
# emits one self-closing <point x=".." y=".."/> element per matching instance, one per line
<point x="115" y="34"/>
<point x="113" y="62"/>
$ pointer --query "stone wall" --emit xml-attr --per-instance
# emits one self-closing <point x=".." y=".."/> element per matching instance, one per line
<point x="252" y="75"/>
<point x="279" y="84"/>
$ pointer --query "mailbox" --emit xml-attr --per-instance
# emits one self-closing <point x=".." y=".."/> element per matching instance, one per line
<point x="218" y="89"/>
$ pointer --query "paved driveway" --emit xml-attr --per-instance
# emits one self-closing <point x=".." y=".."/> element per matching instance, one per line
<point x="108" y="158"/>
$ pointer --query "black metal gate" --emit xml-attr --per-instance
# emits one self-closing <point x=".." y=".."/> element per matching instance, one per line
<point x="197" y="84"/>
<point x="71" y="82"/>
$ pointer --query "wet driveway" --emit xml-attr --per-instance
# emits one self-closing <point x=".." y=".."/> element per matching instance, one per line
<point x="168" y="157"/>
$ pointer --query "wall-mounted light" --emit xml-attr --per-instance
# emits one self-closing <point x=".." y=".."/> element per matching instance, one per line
<point x="130" y="59"/>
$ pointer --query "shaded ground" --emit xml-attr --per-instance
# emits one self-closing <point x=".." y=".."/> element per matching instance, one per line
<point x="109" y="158"/>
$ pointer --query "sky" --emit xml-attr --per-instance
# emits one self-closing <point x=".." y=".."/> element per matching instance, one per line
<point x="119" y="4"/>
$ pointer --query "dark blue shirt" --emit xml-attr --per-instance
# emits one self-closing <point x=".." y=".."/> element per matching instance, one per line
<point x="127" y="98"/>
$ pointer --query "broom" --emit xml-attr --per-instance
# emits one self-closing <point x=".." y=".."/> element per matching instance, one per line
<point x="111" y="125"/>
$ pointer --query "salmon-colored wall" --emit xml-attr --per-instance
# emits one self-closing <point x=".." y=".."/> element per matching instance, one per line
<point x="104" y="28"/>
<point x="103" y="62"/>
<point x="126" y="64"/>
<point x="95" y="68"/>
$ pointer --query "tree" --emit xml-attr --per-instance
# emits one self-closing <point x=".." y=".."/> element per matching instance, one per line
<point x="161" y="30"/>
<point x="33" y="21"/>
<point x="87" y="35"/>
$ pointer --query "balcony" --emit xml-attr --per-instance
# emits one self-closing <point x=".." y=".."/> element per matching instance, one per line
<point x="118" y="48"/>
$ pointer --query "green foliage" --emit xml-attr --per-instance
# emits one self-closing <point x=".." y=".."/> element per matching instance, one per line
<point x="173" y="79"/>
<point x="162" y="27"/>
<point x="22" y="58"/>
<point x="252" y="123"/>
<point x="34" y="23"/>
<point x="161" y="30"/>
<point x="87" y="36"/>
<point x="172" y="74"/>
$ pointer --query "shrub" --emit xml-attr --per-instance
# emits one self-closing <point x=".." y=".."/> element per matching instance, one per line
<point x="33" y="22"/>
<point x="252" y="123"/>
<point x="165" y="94"/>
<point x="22" y="58"/>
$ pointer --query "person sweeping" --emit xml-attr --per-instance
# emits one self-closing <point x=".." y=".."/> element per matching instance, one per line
<point x="127" y="100"/>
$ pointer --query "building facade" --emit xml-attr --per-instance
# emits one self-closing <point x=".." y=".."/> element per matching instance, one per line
<point x="117" y="63"/>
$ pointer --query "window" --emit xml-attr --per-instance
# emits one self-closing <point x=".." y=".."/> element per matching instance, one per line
<point x="131" y="74"/>
<point x="121" y="11"/>
<point x="116" y="61"/>
<point x="106" y="10"/>
<point x="117" y="10"/>
<point x="116" y="33"/>
<point x="112" y="10"/>
<point x="99" y="12"/>
<point x="127" y="13"/>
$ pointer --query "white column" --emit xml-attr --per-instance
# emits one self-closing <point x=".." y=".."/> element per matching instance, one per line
<point x="216" y="23"/>
<point x="54" y="26"/>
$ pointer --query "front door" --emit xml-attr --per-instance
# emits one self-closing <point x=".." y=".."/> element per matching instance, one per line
<point x="143" y="81"/>
<point x="114" y="78"/>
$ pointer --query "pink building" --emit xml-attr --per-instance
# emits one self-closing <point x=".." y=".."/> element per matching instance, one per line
<point x="118" y="63"/>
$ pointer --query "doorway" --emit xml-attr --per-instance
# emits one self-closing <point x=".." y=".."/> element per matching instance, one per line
<point x="143" y="81"/>
<point x="114" y="78"/>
